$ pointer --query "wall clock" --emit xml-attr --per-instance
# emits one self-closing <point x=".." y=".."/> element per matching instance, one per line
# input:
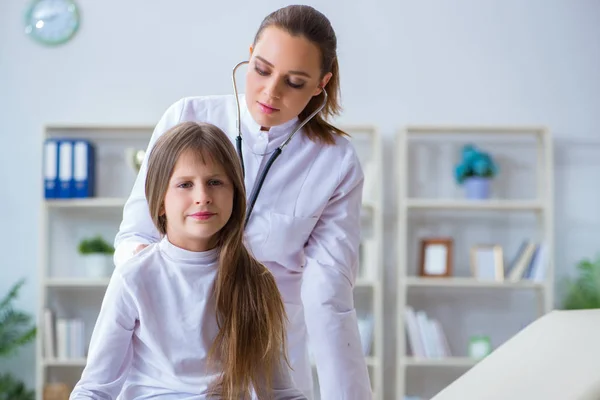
<point x="52" y="22"/>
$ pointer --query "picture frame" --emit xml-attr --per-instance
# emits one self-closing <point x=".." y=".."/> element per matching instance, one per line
<point x="436" y="257"/>
<point x="487" y="262"/>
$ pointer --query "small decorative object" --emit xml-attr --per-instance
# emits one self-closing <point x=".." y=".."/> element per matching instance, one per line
<point x="480" y="346"/>
<point x="487" y="262"/>
<point x="436" y="257"/>
<point x="57" y="391"/>
<point x="97" y="254"/>
<point x="476" y="171"/>
<point x="135" y="158"/>
<point x="52" y="22"/>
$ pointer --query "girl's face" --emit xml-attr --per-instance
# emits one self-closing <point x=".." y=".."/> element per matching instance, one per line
<point x="283" y="74"/>
<point x="198" y="202"/>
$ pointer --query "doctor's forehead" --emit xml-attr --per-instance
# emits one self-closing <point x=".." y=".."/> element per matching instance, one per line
<point x="286" y="52"/>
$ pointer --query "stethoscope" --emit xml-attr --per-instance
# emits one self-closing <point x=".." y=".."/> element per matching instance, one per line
<point x="263" y="174"/>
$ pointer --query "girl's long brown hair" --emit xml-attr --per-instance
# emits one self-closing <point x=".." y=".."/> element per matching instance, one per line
<point x="251" y="317"/>
<point x="305" y="21"/>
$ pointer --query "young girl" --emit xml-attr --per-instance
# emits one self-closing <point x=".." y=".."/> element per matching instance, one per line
<point x="193" y="316"/>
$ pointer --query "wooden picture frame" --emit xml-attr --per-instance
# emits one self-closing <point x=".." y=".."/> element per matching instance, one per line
<point x="487" y="262"/>
<point x="436" y="257"/>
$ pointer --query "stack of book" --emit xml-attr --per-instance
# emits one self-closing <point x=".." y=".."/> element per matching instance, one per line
<point x="530" y="262"/>
<point x="64" y="338"/>
<point x="68" y="168"/>
<point x="425" y="335"/>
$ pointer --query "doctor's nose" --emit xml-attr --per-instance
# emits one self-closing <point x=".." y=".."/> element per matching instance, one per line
<point x="272" y="89"/>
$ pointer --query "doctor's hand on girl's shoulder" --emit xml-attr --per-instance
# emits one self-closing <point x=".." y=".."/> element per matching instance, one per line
<point x="139" y="248"/>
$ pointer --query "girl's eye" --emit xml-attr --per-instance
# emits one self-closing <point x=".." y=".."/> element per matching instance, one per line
<point x="185" y="185"/>
<point x="214" y="182"/>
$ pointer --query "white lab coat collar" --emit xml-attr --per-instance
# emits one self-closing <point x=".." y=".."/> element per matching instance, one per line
<point x="263" y="142"/>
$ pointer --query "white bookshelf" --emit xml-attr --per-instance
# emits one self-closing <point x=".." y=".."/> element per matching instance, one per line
<point x="64" y="222"/>
<point x="64" y="287"/>
<point x="369" y="283"/>
<point x="368" y="289"/>
<point x="461" y="297"/>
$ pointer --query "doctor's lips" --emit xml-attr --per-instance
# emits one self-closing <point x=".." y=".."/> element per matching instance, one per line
<point x="202" y="215"/>
<point x="266" y="109"/>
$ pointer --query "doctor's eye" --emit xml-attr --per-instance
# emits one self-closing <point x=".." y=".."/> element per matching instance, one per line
<point x="261" y="72"/>
<point x="295" y="85"/>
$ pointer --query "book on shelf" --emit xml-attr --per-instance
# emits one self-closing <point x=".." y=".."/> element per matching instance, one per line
<point x="530" y="262"/>
<point x="426" y="336"/>
<point x="64" y="338"/>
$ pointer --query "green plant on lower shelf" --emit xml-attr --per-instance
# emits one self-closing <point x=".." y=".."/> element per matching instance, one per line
<point x="583" y="292"/>
<point x="16" y="330"/>
<point x="95" y="245"/>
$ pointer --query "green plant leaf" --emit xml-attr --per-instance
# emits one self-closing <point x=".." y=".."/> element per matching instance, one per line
<point x="13" y="389"/>
<point x="583" y="292"/>
<point x="12" y="294"/>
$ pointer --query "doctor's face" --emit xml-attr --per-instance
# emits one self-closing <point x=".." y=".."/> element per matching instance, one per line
<point x="283" y="75"/>
<point x="198" y="202"/>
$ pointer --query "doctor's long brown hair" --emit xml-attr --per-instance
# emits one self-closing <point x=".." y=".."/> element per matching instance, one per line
<point x="251" y="317"/>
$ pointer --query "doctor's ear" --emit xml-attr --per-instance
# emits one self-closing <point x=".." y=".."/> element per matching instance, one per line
<point x="251" y="50"/>
<point x="323" y="83"/>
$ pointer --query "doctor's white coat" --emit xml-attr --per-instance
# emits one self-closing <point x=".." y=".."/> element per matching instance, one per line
<point x="305" y="227"/>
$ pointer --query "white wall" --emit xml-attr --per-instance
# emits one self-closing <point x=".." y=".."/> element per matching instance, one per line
<point x="465" y="61"/>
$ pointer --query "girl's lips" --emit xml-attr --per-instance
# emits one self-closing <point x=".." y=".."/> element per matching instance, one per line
<point x="202" y="215"/>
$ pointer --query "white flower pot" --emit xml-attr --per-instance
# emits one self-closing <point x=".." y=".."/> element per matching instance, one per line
<point x="97" y="265"/>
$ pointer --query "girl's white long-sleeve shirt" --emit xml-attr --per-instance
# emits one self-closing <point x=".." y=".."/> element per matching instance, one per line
<point x="305" y="227"/>
<point x="155" y="328"/>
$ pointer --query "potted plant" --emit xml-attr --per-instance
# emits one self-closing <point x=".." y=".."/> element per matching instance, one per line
<point x="16" y="330"/>
<point x="583" y="292"/>
<point x="97" y="254"/>
<point x="475" y="171"/>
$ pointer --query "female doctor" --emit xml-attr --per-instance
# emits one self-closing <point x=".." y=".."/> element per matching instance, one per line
<point x="304" y="225"/>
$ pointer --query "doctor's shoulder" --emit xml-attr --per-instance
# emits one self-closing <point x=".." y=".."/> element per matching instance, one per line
<point x="345" y="155"/>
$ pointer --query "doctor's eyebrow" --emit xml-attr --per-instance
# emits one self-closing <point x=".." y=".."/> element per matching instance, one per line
<point x="302" y="73"/>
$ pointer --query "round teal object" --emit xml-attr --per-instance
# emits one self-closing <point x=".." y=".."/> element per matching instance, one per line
<point x="52" y="22"/>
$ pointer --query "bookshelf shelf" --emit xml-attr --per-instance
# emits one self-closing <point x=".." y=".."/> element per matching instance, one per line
<point x="452" y="362"/>
<point x="68" y="363"/>
<point x="77" y="283"/>
<point x="440" y="317"/>
<point x="465" y="283"/>
<point x="97" y="202"/>
<point x="476" y="205"/>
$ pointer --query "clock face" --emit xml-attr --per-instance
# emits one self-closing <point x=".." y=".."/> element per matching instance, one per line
<point x="52" y="22"/>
